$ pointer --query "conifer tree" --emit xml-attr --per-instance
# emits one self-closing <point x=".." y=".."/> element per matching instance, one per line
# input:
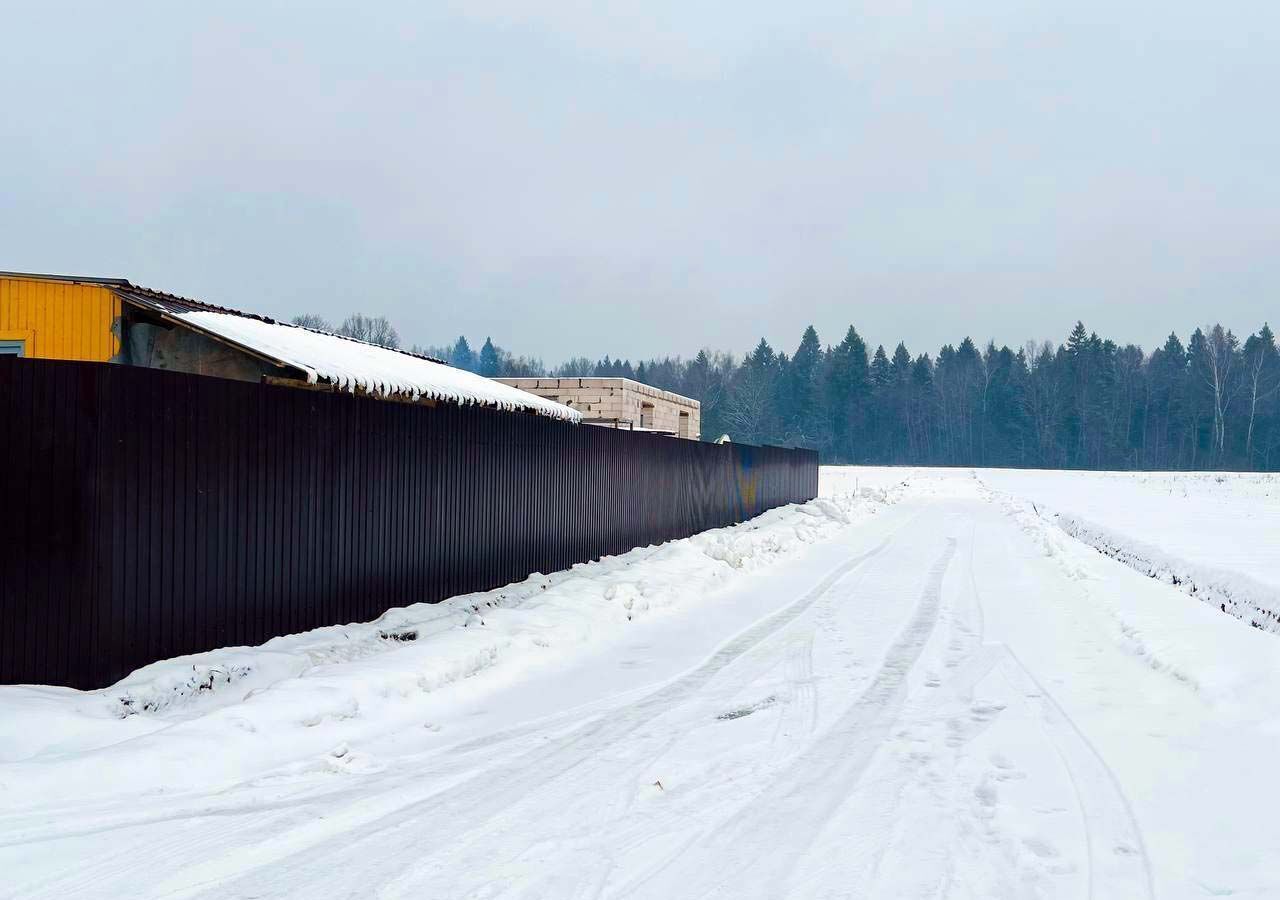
<point x="489" y="363"/>
<point x="462" y="356"/>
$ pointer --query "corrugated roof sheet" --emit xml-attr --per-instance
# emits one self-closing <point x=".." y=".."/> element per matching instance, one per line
<point x="349" y="364"/>
<point x="70" y="279"/>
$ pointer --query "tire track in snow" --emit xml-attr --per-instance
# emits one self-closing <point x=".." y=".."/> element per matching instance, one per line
<point x="640" y="751"/>
<point x="799" y="714"/>
<point x="1104" y="807"/>
<point x="745" y="856"/>
<point x="1121" y="858"/>
<point x="397" y="836"/>
<point x="967" y="662"/>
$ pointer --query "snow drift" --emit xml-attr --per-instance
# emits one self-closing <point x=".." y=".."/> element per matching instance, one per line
<point x="1231" y="592"/>
<point x="231" y="698"/>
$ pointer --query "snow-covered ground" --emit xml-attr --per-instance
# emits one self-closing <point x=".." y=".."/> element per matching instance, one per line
<point x="929" y="683"/>
<point x="1215" y="535"/>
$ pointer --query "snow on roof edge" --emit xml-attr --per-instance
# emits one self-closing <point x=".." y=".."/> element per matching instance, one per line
<point x="352" y="365"/>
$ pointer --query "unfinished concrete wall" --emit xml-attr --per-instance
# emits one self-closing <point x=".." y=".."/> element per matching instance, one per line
<point x="621" y="400"/>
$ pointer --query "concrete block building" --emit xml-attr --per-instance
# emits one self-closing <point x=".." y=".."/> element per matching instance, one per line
<point x="619" y="403"/>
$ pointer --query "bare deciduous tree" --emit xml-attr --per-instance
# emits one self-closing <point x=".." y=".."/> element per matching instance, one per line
<point x="1216" y="364"/>
<point x="1262" y="377"/>
<point x="311" y="320"/>
<point x="578" y="367"/>
<point x="751" y="404"/>
<point x="374" y="329"/>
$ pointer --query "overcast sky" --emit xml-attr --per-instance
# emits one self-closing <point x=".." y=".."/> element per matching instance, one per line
<point x="643" y="178"/>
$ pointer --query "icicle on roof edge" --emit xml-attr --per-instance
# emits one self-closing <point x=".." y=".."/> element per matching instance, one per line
<point x="352" y="365"/>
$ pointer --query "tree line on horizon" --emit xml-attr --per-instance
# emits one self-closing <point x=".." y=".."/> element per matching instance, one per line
<point x="1087" y="403"/>
<point x="491" y="361"/>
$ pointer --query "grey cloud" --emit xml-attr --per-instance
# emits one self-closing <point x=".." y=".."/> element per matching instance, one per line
<point x="922" y="170"/>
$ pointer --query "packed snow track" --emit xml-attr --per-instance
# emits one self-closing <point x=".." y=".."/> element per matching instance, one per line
<point x="937" y="693"/>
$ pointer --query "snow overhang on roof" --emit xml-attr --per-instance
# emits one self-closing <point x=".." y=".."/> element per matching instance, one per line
<point x="348" y="364"/>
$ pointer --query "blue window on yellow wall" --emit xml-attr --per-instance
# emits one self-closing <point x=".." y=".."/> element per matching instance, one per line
<point x="13" y="348"/>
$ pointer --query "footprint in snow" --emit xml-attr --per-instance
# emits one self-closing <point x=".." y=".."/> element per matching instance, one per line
<point x="1005" y="770"/>
<point x="1040" y="847"/>
<point x="986" y="793"/>
<point x="983" y="711"/>
<point x="345" y="761"/>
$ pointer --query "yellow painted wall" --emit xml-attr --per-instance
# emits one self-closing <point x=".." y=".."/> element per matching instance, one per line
<point x="58" y="319"/>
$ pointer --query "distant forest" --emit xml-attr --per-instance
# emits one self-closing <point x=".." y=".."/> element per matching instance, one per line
<point x="1089" y="403"/>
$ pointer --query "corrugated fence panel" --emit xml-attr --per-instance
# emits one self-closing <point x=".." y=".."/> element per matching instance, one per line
<point x="150" y="514"/>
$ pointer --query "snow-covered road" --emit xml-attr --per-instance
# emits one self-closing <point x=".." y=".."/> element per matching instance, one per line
<point x="945" y="697"/>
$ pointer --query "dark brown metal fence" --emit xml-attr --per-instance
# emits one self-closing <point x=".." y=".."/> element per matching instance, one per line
<point x="149" y="514"/>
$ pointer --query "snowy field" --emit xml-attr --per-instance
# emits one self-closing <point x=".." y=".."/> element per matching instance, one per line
<point x="1216" y="534"/>
<point x="927" y="683"/>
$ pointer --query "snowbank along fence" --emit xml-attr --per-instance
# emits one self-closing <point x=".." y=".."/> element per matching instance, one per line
<point x="148" y="514"/>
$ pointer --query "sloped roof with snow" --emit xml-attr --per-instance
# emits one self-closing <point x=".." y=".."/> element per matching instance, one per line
<point x="350" y="365"/>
